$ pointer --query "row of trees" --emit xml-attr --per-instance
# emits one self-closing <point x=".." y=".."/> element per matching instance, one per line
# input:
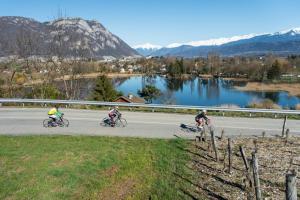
<point x="268" y="67"/>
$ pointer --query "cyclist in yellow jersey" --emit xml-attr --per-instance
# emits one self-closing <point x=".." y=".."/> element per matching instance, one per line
<point x="53" y="113"/>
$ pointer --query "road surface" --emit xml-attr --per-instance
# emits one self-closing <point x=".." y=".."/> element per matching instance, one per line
<point x="28" y="121"/>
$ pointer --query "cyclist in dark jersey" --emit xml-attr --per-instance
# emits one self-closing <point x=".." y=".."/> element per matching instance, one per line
<point x="201" y="118"/>
<point x="113" y="114"/>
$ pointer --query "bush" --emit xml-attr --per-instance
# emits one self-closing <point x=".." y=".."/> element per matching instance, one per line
<point x="20" y="79"/>
<point x="265" y="104"/>
<point x="45" y="92"/>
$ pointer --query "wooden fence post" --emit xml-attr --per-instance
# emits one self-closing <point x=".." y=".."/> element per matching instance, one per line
<point x="256" y="176"/>
<point x="202" y="137"/>
<point x="291" y="186"/>
<point x="247" y="167"/>
<point x="244" y="158"/>
<point x="283" y="126"/>
<point x="229" y="155"/>
<point x="255" y="145"/>
<point x="222" y="134"/>
<point x="287" y="135"/>
<point x="214" y="145"/>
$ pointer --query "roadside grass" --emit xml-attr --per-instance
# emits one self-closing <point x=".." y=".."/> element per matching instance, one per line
<point x="86" y="167"/>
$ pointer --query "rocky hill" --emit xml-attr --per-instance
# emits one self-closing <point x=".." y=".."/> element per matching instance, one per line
<point x="66" y="37"/>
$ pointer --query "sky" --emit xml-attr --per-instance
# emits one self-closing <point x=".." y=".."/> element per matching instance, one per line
<point x="163" y="22"/>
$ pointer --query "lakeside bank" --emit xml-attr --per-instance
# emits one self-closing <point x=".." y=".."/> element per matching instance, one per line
<point x="292" y="88"/>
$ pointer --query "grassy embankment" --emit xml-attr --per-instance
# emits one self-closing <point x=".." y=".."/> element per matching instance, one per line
<point x="66" y="167"/>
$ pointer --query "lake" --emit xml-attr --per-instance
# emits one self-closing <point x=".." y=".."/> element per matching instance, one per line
<point x="192" y="91"/>
<point x="201" y="92"/>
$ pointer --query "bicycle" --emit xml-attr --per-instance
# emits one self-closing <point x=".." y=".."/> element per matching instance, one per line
<point x="120" y="122"/>
<point x="61" y="122"/>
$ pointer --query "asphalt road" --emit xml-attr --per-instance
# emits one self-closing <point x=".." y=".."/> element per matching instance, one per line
<point x="28" y="121"/>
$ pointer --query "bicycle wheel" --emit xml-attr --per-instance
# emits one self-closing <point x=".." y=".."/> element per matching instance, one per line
<point x="47" y="123"/>
<point x="65" y="122"/>
<point x="122" y="122"/>
<point x="105" y="121"/>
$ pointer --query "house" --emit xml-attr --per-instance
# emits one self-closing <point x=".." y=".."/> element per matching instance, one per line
<point x="122" y="70"/>
<point x="130" y="99"/>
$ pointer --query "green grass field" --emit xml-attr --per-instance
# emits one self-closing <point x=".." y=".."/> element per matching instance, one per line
<point x="78" y="167"/>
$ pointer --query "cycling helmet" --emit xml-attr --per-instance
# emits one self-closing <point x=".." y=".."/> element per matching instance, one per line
<point x="204" y="111"/>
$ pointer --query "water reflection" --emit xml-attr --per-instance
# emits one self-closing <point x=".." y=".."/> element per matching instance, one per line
<point x="201" y="91"/>
<point x="174" y="84"/>
<point x="213" y="89"/>
<point x="119" y="81"/>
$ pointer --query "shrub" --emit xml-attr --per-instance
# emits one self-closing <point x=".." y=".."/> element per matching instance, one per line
<point x="265" y="104"/>
<point x="45" y="92"/>
<point x="20" y="79"/>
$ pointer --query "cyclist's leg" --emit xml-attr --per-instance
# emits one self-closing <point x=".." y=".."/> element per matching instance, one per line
<point x="201" y="122"/>
<point x="197" y="121"/>
<point x="112" y="120"/>
<point x="52" y="117"/>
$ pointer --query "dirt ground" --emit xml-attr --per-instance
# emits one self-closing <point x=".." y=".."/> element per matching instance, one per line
<point x="212" y="179"/>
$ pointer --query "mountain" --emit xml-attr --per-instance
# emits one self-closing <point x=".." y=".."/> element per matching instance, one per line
<point x="146" y="49"/>
<point x="68" y="37"/>
<point x="280" y="43"/>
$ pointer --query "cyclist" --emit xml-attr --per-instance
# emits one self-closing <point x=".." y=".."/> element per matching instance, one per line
<point x="113" y="113"/>
<point x="201" y="118"/>
<point x="53" y="113"/>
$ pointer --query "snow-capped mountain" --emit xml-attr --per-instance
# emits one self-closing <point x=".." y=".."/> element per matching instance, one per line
<point x="146" y="49"/>
<point x="69" y="37"/>
<point x="212" y="42"/>
<point x="282" y="43"/>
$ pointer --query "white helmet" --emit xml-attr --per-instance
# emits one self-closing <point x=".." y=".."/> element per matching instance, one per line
<point x="204" y="111"/>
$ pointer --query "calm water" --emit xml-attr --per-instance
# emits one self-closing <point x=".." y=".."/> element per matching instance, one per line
<point x="202" y="92"/>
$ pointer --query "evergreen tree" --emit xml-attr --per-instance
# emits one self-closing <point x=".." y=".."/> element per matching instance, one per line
<point x="275" y="71"/>
<point x="104" y="90"/>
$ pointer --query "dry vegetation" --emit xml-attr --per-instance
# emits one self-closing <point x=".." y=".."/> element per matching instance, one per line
<point x="212" y="180"/>
<point x="267" y="104"/>
<point x="293" y="89"/>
